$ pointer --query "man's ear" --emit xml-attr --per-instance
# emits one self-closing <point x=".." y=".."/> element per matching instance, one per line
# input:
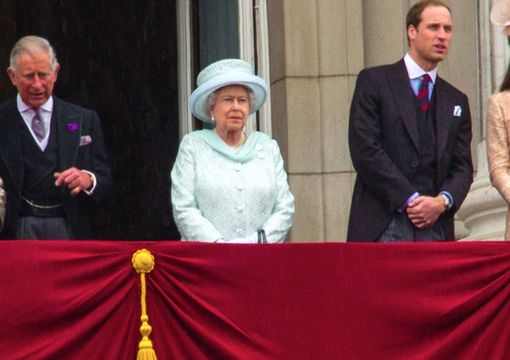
<point x="12" y="75"/>
<point x="55" y="72"/>
<point x="411" y="32"/>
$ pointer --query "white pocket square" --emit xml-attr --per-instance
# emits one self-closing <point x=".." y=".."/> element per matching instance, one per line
<point x="85" y="140"/>
<point x="457" y="111"/>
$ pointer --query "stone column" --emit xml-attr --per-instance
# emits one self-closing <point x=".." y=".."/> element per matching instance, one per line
<point x="316" y="52"/>
<point x="484" y="211"/>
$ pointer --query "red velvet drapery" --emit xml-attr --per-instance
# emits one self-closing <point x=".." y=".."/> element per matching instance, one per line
<point x="81" y="300"/>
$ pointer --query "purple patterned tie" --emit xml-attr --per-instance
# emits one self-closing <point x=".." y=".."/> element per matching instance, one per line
<point x="37" y="125"/>
<point x="423" y="93"/>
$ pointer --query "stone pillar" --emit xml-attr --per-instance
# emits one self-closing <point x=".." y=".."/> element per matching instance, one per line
<point x="484" y="211"/>
<point x="316" y="52"/>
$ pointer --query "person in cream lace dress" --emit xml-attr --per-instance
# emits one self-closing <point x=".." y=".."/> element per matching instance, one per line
<point x="229" y="186"/>
<point x="498" y="120"/>
<point x="498" y="143"/>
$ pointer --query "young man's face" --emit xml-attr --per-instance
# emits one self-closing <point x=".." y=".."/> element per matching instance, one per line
<point x="430" y="41"/>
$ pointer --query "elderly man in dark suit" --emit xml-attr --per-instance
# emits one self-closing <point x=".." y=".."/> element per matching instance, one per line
<point x="409" y="137"/>
<point x="53" y="159"/>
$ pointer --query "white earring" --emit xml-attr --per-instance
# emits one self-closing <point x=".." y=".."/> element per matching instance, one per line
<point x="212" y="118"/>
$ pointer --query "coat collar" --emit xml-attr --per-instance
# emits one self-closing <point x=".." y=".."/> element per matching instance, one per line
<point x="404" y="98"/>
<point x="68" y="133"/>
<point x="444" y="111"/>
<point x="253" y="145"/>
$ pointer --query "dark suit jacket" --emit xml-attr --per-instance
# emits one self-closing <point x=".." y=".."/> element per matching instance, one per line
<point x="91" y="157"/>
<point x="384" y="145"/>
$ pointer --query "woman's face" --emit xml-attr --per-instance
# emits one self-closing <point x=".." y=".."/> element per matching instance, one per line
<point x="231" y="108"/>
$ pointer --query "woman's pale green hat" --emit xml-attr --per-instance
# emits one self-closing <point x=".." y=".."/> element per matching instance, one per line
<point x="222" y="73"/>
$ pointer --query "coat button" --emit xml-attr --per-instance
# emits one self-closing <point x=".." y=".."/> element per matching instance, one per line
<point x="415" y="164"/>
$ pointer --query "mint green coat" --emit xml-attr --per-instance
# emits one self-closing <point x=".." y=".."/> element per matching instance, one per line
<point x="227" y="194"/>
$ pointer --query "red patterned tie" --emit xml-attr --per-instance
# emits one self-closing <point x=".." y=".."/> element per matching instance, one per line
<point x="423" y="93"/>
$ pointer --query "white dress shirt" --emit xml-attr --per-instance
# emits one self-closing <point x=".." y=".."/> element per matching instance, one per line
<point x="415" y="73"/>
<point x="28" y="113"/>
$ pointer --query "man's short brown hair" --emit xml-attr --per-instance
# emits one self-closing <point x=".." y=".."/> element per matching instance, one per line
<point x="414" y="14"/>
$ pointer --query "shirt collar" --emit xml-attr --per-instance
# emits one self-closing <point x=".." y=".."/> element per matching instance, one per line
<point x="415" y="71"/>
<point x="22" y="107"/>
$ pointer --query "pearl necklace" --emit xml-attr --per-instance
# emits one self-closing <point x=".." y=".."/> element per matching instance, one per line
<point x="241" y="141"/>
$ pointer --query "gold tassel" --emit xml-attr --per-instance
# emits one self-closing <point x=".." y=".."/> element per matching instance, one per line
<point x="143" y="262"/>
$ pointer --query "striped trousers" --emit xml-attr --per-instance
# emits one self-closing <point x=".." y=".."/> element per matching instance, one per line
<point x="401" y="229"/>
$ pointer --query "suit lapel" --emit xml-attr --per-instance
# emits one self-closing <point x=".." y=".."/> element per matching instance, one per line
<point x="68" y="136"/>
<point x="10" y="148"/>
<point x="404" y="99"/>
<point x="443" y="116"/>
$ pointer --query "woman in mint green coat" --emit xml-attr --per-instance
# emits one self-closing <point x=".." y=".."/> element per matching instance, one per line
<point x="228" y="186"/>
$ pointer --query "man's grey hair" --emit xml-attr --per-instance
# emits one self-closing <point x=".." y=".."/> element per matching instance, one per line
<point x="28" y="45"/>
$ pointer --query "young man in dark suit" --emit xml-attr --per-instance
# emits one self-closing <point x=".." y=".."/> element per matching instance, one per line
<point x="53" y="159"/>
<point x="409" y="137"/>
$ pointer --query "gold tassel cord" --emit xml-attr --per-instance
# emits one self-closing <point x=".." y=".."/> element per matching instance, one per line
<point x="143" y="263"/>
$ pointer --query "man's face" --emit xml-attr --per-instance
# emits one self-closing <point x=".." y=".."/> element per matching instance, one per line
<point x="34" y="78"/>
<point x="429" y="43"/>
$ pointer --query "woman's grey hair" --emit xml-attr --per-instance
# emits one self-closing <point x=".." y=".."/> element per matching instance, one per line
<point x="29" y="44"/>
<point x="211" y="99"/>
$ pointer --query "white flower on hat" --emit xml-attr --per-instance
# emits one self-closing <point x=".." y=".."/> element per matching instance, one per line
<point x="223" y="73"/>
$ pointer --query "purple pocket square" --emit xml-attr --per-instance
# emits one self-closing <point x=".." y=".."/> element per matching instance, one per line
<point x="85" y="140"/>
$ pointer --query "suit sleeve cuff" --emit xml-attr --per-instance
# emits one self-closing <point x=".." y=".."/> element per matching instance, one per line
<point x="94" y="182"/>
<point x="451" y="202"/>
<point x="411" y="198"/>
